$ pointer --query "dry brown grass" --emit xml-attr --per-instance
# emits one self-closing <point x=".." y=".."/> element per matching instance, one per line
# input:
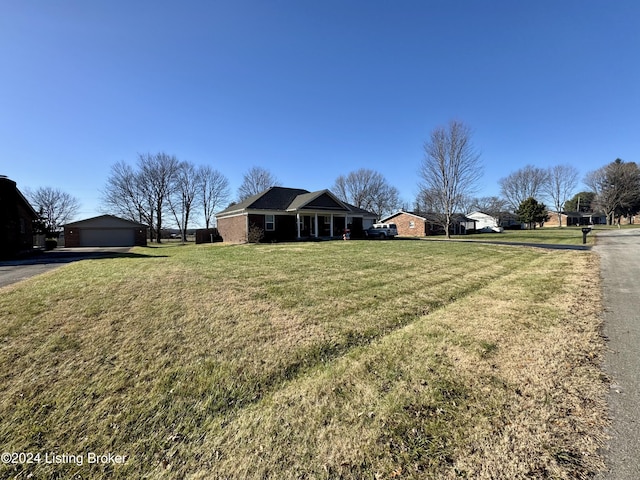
<point x="488" y="387"/>
<point x="339" y="360"/>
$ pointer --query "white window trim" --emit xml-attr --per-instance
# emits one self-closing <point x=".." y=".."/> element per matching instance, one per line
<point x="267" y="222"/>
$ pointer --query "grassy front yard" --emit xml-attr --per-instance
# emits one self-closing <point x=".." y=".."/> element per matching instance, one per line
<point x="387" y="359"/>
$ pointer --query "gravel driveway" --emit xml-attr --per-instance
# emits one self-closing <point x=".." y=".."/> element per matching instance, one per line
<point x="619" y="252"/>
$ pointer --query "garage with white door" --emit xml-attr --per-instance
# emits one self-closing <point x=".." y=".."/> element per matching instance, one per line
<point x="105" y="231"/>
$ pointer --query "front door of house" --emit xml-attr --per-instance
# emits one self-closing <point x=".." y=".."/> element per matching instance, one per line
<point x="308" y="226"/>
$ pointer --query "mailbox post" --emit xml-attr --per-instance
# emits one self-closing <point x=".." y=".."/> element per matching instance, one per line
<point x="585" y="230"/>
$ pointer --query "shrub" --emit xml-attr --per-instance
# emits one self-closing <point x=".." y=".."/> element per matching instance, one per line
<point x="50" y="244"/>
<point x="256" y="234"/>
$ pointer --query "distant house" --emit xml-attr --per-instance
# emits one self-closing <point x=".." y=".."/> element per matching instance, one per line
<point x="485" y="222"/>
<point x="286" y="214"/>
<point x="411" y="224"/>
<point x="16" y="220"/>
<point x="105" y="231"/>
<point x="462" y="224"/>
<point x="569" y="219"/>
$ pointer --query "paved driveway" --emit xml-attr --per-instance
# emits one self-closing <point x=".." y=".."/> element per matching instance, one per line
<point x="12" y="271"/>
<point x="619" y="252"/>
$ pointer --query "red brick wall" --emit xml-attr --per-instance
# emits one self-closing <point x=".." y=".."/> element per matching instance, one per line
<point x="141" y="237"/>
<point x="233" y="229"/>
<point x="403" y="223"/>
<point x="71" y="237"/>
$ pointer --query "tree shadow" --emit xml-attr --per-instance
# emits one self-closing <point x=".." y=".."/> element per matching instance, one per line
<point x="71" y="255"/>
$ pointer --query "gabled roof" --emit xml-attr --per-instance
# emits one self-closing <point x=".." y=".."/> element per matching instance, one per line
<point x="360" y="211"/>
<point x="482" y="216"/>
<point x="400" y="212"/>
<point x="11" y="186"/>
<point x="26" y="203"/>
<point x="106" y="221"/>
<point x="274" y="198"/>
<point x="314" y="199"/>
<point x="293" y="200"/>
<point x="461" y="217"/>
<point x="478" y="213"/>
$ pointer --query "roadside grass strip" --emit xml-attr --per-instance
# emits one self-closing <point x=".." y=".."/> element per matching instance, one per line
<point x="330" y="360"/>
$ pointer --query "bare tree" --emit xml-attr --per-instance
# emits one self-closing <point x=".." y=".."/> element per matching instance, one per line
<point x="617" y="188"/>
<point x="562" y="181"/>
<point x="527" y="182"/>
<point x="125" y="195"/>
<point x="385" y="201"/>
<point x="255" y="181"/>
<point x="214" y="191"/>
<point x="493" y="206"/>
<point x="450" y="171"/>
<point x="54" y="206"/>
<point x="183" y="195"/>
<point x="158" y="173"/>
<point x="367" y="189"/>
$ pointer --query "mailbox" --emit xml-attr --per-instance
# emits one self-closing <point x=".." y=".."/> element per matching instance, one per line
<point x="585" y="230"/>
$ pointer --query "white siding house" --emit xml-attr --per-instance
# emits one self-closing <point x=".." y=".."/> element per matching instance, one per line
<point x="485" y="222"/>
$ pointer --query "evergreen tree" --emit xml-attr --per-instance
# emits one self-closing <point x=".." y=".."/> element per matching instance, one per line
<point x="531" y="211"/>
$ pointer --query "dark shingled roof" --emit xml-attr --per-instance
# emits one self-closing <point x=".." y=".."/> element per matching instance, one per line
<point x="275" y="198"/>
<point x="80" y="223"/>
<point x="281" y="198"/>
<point x="322" y="199"/>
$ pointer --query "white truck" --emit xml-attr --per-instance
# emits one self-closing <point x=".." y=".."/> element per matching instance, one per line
<point x="381" y="230"/>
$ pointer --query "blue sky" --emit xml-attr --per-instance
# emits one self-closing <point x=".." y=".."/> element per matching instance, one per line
<point x="312" y="89"/>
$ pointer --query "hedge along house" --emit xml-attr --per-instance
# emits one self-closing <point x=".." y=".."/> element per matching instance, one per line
<point x="105" y="231"/>
<point x="287" y="214"/>
<point x="16" y="220"/>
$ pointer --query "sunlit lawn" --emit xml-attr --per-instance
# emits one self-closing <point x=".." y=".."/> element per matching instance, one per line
<point x="545" y="235"/>
<point x="375" y="359"/>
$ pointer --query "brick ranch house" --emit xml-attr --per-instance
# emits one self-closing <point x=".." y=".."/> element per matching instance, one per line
<point x="287" y="214"/>
<point x="16" y="220"/>
<point x="569" y="219"/>
<point x="411" y="224"/>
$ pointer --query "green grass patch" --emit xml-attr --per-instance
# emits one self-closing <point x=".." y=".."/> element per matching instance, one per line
<point x="545" y="235"/>
<point x="312" y="360"/>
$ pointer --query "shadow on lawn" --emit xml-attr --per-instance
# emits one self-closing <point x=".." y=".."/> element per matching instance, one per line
<point x="548" y="246"/>
<point x="69" y="255"/>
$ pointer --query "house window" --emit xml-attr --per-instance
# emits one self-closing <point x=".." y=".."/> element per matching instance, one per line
<point x="412" y="224"/>
<point x="270" y="223"/>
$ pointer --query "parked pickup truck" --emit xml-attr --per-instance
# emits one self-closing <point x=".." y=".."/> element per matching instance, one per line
<point x="381" y="230"/>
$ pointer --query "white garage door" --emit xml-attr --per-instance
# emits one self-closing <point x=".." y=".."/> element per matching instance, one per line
<point x="107" y="238"/>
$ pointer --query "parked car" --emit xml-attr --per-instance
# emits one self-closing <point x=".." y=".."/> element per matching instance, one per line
<point x="381" y="230"/>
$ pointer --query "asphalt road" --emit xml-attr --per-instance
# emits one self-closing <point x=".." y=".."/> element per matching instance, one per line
<point x="619" y="252"/>
<point x="12" y="271"/>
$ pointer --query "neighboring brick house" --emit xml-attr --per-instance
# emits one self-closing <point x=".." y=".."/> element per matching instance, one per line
<point x="16" y="220"/>
<point x="286" y="214"/>
<point x="569" y="219"/>
<point x="409" y="224"/>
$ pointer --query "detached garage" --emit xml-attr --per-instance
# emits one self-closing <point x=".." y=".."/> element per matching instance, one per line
<point x="105" y="231"/>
